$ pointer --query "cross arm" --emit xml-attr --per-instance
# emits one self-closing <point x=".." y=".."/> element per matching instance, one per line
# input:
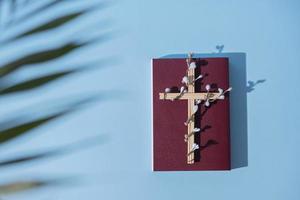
<point x="202" y="96"/>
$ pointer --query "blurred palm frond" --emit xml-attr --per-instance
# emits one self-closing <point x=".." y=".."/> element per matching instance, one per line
<point x="20" y="126"/>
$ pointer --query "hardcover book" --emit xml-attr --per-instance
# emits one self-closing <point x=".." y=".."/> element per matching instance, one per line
<point x="190" y="114"/>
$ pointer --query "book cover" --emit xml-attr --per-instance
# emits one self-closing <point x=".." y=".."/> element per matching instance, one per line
<point x="168" y="116"/>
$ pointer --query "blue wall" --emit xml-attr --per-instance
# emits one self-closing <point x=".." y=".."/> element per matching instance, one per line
<point x="264" y="32"/>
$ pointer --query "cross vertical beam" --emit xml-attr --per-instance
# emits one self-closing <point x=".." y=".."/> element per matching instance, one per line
<point x="191" y="125"/>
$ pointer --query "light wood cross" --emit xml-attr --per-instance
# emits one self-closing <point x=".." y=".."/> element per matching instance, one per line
<point x="191" y="97"/>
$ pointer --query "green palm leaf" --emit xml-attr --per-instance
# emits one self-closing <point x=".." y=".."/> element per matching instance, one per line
<point x="28" y="158"/>
<point x="40" y="9"/>
<point x="20" y="130"/>
<point x="39" y="57"/>
<point x="52" y="24"/>
<point x="58" y="151"/>
<point x="19" y="127"/>
<point x="36" y="82"/>
<point x="20" y="186"/>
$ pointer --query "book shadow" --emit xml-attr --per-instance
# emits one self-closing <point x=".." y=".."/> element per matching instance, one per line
<point x="238" y="106"/>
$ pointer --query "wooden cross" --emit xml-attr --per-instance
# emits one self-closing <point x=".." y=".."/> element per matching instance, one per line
<point x="191" y="97"/>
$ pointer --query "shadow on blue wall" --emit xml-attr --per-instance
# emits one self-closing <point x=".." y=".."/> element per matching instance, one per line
<point x="238" y="109"/>
<point x="238" y="104"/>
<point x="252" y="84"/>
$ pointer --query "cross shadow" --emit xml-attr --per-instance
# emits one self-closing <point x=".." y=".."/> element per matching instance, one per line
<point x="238" y="104"/>
<point x="208" y="144"/>
<point x="252" y="84"/>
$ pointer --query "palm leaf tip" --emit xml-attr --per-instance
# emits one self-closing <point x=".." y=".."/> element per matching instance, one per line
<point x="39" y="57"/>
<point x="51" y="24"/>
<point x="56" y="22"/>
<point x="25" y="185"/>
<point x="20" y="186"/>
<point x="35" y="83"/>
<point x="19" y="130"/>
<point x="58" y="151"/>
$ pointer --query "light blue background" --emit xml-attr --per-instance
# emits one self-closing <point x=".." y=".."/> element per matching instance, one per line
<point x="267" y="31"/>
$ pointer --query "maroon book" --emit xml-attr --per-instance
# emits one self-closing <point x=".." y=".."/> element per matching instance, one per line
<point x="168" y="117"/>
